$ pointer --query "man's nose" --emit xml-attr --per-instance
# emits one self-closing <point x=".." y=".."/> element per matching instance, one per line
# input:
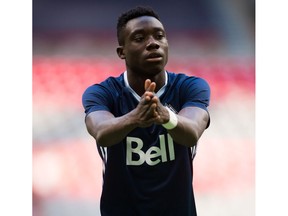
<point x="152" y="43"/>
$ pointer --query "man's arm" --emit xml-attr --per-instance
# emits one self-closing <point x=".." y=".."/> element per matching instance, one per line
<point x="109" y="130"/>
<point x="192" y="121"/>
<point x="106" y="129"/>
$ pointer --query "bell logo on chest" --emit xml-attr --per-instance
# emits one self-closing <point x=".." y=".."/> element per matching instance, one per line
<point x="135" y="156"/>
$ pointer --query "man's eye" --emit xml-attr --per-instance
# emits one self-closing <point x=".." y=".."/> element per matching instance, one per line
<point x="139" y="38"/>
<point x="159" y="36"/>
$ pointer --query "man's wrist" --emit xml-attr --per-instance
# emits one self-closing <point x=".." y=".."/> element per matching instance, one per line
<point x="173" y="120"/>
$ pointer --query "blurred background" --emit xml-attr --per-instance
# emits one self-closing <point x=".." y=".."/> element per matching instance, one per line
<point x="74" y="46"/>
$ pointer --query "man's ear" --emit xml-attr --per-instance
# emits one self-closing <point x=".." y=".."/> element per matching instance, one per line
<point x="120" y="52"/>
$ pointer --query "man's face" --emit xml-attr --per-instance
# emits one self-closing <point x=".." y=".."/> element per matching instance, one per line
<point x="145" y="48"/>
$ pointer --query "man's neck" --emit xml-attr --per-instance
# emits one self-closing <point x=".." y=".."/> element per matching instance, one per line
<point x="137" y="82"/>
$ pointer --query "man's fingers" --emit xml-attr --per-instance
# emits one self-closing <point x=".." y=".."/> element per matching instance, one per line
<point x="147" y="97"/>
<point x="147" y="84"/>
<point x="152" y="110"/>
<point x="150" y="86"/>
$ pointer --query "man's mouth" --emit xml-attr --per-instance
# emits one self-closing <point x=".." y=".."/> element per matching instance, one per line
<point x="154" y="57"/>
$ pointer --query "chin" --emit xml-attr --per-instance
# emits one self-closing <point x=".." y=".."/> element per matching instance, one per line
<point x="155" y="71"/>
<point x="155" y="68"/>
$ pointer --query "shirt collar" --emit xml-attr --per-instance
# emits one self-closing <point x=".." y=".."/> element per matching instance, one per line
<point x="138" y="97"/>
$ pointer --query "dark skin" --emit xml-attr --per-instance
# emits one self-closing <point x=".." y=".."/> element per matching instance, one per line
<point x="145" y="51"/>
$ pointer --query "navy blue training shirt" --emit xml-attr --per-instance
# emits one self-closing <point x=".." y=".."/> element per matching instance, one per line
<point x="147" y="173"/>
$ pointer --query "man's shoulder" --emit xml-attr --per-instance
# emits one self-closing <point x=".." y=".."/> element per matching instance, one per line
<point x="113" y="80"/>
<point x="174" y="77"/>
<point x="181" y="76"/>
<point x="110" y="84"/>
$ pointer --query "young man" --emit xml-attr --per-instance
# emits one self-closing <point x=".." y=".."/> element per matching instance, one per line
<point x="146" y="124"/>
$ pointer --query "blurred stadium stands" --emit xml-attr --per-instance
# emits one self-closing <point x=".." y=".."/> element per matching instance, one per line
<point x="67" y="58"/>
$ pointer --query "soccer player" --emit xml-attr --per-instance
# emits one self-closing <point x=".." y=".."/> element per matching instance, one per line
<point x="146" y="123"/>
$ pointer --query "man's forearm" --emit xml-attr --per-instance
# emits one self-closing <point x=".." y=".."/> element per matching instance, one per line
<point x="112" y="130"/>
<point x="185" y="133"/>
<point x="191" y="124"/>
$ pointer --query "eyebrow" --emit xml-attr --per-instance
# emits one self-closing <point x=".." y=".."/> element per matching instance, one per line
<point x="141" y="30"/>
<point x="154" y="29"/>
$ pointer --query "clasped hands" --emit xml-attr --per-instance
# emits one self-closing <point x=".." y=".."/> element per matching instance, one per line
<point x="150" y="110"/>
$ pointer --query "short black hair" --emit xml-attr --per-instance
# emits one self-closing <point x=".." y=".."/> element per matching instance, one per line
<point x="131" y="14"/>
